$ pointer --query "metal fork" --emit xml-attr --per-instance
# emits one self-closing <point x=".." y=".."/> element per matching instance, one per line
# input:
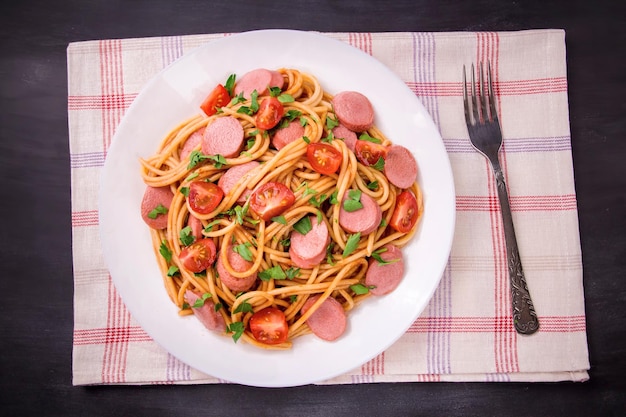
<point x="486" y="137"/>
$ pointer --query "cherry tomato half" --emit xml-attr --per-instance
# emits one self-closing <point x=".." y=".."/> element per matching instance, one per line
<point x="198" y="256"/>
<point x="204" y="196"/>
<point x="405" y="214"/>
<point x="217" y="98"/>
<point x="368" y="153"/>
<point x="270" y="112"/>
<point x="324" y="158"/>
<point x="269" y="326"/>
<point x="271" y="199"/>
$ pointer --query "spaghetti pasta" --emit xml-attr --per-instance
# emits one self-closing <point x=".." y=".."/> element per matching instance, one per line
<point x="280" y="281"/>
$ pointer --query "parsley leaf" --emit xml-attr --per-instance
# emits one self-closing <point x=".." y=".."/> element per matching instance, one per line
<point x="292" y="273"/>
<point x="380" y="164"/>
<point x="210" y="226"/>
<point x="280" y="219"/>
<point x="184" y="191"/>
<point x="360" y="289"/>
<point x="329" y="138"/>
<point x="307" y="140"/>
<point x="244" y="307"/>
<point x="274" y="91"/>
<point x="373" y="185"/>
<point x="318" y="202"/>
<point x="333" y="197"/>
<point x="218" y="160"/>
<point x="286" y="98"/>
<point x="303" y="226"/>
<point x="351" y="244"/>
<point x="200" y="301"/>
<point x="173" y="270"/>
<point x="368" y="138"/>
<point x="243" y="251"/>
<point x="230" y="84"/>
<point x="186" y="238"/>
<point x="195" y="158"/>
<point x="160" y="209"/>
<point x="353" y="202"/>
<point x="275" y="272"/>
<point x="254" y="102"/>
<point x="236" y="328"/>
<point x="331" y="123"/>
<point x="165" y="252"/>
<point x="380" y="260"/>
<point x="291" y="115"/>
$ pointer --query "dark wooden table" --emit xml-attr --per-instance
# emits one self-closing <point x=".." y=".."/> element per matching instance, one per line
<point x="36" y="284"/>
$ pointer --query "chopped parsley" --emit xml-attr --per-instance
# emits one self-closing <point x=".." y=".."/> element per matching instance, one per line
<point x="173" y="270"/>
<point x="360" y="289"/>
<point x="303" y="226"/>
<point x="230" y="84"/>
<point x="353" y="202"/>
<point x="186" y="238"/>
<point x="373" y="185"/>
<point x="244" y="307"/>
<point x="351" y="244"/>
<point x="379" y="259"/>
<point x="368" y="138"/>
<point x="380" y="164"/>
<point x="280" y="219"/>
<point x="165" y="252"/>
<point x="275" y="272"/>
<point x="244" y="251"/>
<point x="236" y="328"/>
<point x="200" y="301"/>
<point x="160" y="209"/>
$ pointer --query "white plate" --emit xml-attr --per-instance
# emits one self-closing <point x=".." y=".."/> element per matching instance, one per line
<point x="175" y="94"/>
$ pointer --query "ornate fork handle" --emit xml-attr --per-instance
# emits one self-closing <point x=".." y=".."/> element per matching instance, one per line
<point x="524" y="315"/>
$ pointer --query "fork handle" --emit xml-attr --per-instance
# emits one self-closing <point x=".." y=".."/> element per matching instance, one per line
<point x="524" y="317"/>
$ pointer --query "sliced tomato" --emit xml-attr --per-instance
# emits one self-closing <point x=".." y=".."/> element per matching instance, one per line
<point x="405" y="214"/>
<point x="324" y="158"/>
<point x="198" y="256"/>
<point x="217" y="98"/>
<point x="271" y="199"/>
<point x="368" y="153"/>
<point x="204" y="196"/>
<point x="270" y="112"/>
<point x="269" y="326"/>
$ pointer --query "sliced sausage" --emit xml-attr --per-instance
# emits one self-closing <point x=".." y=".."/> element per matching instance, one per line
<point x="233" y="175"/>
<point x="354" y="110"/>
<point x="224" y="136"/>
<point x="310" y="249"/>
<point x="258" y="79"/>
<point x="384" y="278"/>
<point x="329" y="321"/>
<point x="277" y="80"/>
<point x="284" y="136"/>
<point x="238" y="264"/>
<point x="207" y="315"/>
<point x="196" y="226"/>
<point x="348" y="136"/>
<point x="364" y="220"/>
<point x="152" y="197"/>
<point x="400" y="166"/>
<point x="191" y="143"/>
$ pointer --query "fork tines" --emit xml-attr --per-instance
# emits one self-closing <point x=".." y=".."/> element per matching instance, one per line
<point x="481" y="107"/>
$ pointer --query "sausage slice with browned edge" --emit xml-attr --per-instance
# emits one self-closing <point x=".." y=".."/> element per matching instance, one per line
<point x="354" y="110"/>
<point x="309" y="250"/>
<point x="206" y="313"/>
<point x="239" y="264"/>
<point x="154" y="206"/>
<point x="400" y="166"/>
<point x="364" y="220"/>
<point x="232" y="176"/>
<point x="224" y="136"/>
<point x="384" y="278"/>
<point x="328" y="322"/>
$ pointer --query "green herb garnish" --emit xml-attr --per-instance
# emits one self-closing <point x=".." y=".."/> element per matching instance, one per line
<point x="351" y="244"/>
<point x="160" y="209"/>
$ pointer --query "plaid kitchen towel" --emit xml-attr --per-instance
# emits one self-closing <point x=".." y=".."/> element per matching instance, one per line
<point x="466" y="332"/>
